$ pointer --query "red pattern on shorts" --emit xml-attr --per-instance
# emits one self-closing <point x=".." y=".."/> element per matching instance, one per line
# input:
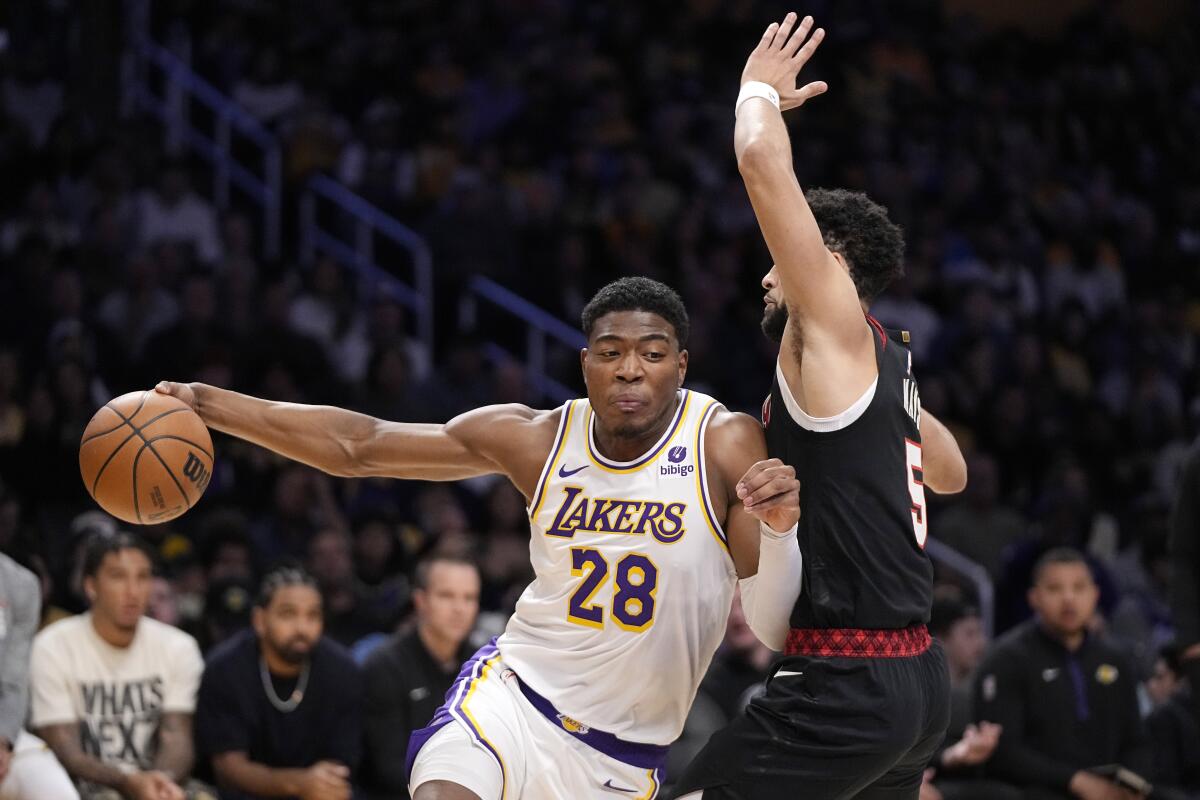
<point x="858" y="642"/>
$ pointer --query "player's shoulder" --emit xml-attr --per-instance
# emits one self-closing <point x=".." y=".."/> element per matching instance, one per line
<point x="508" y="416"/>
<point x="730" y="428"/>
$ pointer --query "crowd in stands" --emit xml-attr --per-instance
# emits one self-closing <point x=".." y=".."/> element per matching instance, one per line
<point x="1047" y="188"/>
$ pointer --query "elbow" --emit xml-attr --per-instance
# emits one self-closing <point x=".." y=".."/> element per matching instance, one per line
<point x="758" y="157"/>
<point x="957" y="481"/>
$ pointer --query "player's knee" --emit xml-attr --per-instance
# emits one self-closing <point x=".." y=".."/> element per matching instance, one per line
<point x="443" y="790"/>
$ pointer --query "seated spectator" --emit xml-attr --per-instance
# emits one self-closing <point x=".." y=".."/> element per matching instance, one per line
<point x="279" y="709"/>
<point x="175" y="213"/>
<point x="352" y="610"/>
<point x="958" y="764"/>
<point x="1065" y="699"/>
<point x="28" y="770"/>
<point x="1173" y="730"/>
<point x="114" y="690"/>
<point x="408" y="675"/>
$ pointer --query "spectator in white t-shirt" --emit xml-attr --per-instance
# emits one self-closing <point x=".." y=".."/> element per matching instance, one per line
<point x="113" y="690"/>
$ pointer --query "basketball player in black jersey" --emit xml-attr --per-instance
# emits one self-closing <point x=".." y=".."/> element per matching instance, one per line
<point x="860" y="701"/>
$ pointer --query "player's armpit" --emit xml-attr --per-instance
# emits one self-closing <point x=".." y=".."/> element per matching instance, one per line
<point x="943" y="463"/>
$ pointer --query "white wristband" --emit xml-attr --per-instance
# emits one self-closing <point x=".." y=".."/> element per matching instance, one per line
<point x="756" y="89"/>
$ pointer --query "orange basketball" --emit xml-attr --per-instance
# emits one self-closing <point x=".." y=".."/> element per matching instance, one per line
<point x="146" y="457"/>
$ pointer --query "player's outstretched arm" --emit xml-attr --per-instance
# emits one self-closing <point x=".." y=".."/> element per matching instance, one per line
<point x="818" y="288"/>
<point x="944" y="466"/>
<point x="348" y="444"/>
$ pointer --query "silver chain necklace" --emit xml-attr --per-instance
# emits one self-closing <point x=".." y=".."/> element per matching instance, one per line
<point x="290" y="704"/>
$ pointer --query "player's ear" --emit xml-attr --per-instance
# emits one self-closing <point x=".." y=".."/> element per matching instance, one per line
<point x="683" y="362"/>
<point x="89" y="589"/>
<point x="583" y="354"/>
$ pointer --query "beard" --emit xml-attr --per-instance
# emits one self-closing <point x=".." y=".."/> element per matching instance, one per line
<point x="774" y="321"/>
<point x="294" y="651"/>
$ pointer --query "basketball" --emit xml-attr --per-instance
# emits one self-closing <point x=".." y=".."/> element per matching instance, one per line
<point x="146" y="457"/>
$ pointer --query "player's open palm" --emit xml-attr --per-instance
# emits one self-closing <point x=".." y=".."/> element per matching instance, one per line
<point x="780" y="55"/>
<point x="770" y="492"/>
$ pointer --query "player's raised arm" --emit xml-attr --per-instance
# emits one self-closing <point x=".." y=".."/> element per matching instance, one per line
<point x="348" y="444"/>
<point x="817" y="285"/>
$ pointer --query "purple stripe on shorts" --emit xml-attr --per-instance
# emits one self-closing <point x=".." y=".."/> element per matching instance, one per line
<point x="453" y="701"/>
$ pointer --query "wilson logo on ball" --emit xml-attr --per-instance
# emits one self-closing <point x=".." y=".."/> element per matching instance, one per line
<point x="193" y="470"/>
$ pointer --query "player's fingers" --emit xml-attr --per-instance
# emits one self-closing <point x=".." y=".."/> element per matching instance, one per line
<point x="751" y="480"/>
<point x="806" y="52"/>
<point x="798" y="37"/>
<point x="785" y="30"/>
<point x="167" y="387"/>
<point x="779" y="486"/>
<point x="783" y="500"/>
<point x="768" y="36"/>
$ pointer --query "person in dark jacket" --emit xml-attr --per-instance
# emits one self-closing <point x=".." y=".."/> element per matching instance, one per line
<point x="1173" y="730"/>
<point x="408" y="675"/>
<point x="1066" y="699"/>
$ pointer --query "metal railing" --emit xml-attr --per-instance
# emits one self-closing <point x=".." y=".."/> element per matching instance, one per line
<point x="350" y="235"/>
<point x="180" y="89"/>
<point x="976" y="574"/>
<point x="542" y="330"/>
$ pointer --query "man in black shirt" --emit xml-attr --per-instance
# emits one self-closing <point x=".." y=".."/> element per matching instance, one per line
<point x="1066" y="699"/>
<point x="279" y="711"/>
<point x="408" y="676"/>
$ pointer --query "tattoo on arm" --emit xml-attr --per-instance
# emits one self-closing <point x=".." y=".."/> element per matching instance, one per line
<point x="175" y="751"/>
<point x="64" y="740"/>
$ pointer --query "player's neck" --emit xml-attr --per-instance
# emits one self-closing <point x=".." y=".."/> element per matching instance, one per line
<point x="111" y="633"/>
<point x="627" y="448"/>
<point x="443" y="649"/>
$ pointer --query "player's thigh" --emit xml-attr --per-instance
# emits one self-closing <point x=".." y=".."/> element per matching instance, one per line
<point x="452" y="766"/>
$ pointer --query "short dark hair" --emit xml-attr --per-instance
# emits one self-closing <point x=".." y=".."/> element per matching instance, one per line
<point x="425" y="566"/>
<point x="859" y="228"/>
<point x="638" y="294"/>
<point x="282" y="576"/>
<point x="1058" y="555"/>
<point x="946" y="612"/>
<point x="101" y="545"/>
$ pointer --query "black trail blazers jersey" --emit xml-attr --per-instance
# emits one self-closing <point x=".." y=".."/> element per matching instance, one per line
<point x="862" y="524"/>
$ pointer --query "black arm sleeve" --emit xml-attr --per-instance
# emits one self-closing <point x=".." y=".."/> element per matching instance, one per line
<point x="1185" y="552"/>
<point x="1000" y="697"/>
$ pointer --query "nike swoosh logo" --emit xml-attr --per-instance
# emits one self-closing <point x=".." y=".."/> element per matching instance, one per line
<point x="608" y="784"/>
<point x="783" y="673"/>
<point x="563" y="472"/>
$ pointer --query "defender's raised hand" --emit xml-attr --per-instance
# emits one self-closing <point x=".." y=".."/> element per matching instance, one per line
<point x="770" y="492"/>
<point x="781" y="53"/>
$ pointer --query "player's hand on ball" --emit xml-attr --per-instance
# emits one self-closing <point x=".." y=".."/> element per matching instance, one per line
<point x="779" y="57"/>
<point x="180" y="391"/>
<point x="770" y="492"/>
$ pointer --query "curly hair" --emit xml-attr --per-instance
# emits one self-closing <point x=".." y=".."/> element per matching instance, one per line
<point x="858" y="228"/>
<point x="638" y="294"/>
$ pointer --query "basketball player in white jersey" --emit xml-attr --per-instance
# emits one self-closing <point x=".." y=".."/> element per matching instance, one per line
<point x="647" y="502"/>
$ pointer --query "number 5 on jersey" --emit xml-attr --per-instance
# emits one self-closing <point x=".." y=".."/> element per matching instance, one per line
<point x="633" y="602"/>
<point x="916" y="488"/>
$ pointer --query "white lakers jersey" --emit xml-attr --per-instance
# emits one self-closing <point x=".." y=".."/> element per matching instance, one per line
<point x="634" y="579"/>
